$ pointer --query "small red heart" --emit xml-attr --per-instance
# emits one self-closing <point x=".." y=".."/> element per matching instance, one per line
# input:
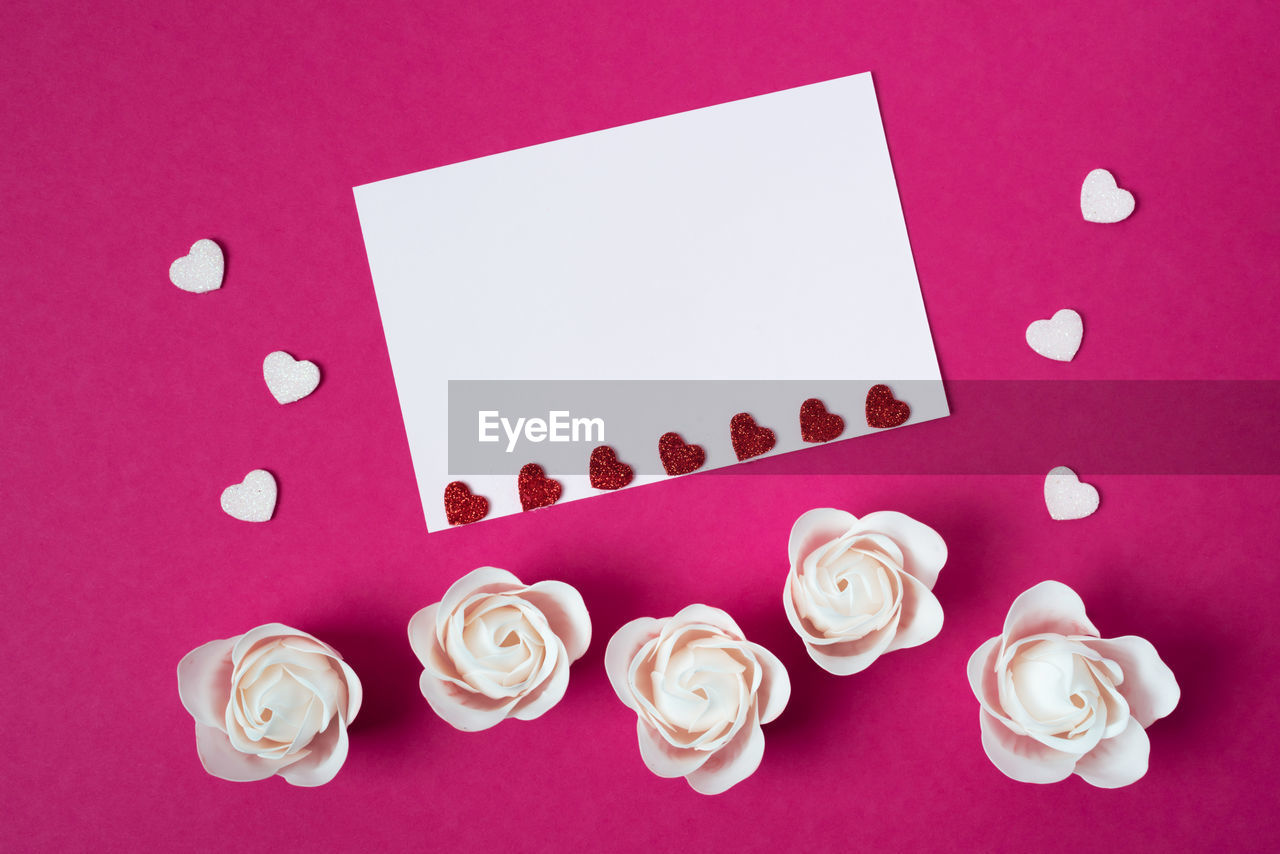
<point x="679" y="457"/>
<point x="461" y="507"/>
<point x="607" y="471"/>
<point x="536" y="489"/>
<point x="749" y="438"/>
<point x="885" y="410"/>
<point x="817" y="424"/>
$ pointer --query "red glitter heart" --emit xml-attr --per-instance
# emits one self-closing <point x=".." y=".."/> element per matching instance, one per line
<point x="679" y="457"/>
<point x="607" y="471"/>
<point x="817" y="424"/>
<point x="885" y="410"/>
<point x="749" y="438"/>
<point x="536" y="489"/>
<point x="461" y="507"/>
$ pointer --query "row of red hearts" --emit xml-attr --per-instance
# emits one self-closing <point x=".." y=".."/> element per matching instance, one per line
<point x="606" y="471"/>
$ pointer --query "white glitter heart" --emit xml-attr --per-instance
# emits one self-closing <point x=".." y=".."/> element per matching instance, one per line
<point x="1058" y="337"/>
<point x="200" y="270"/>
<point x="288" y="379"/>
<point x="253" y="499"/>
<point x="1101" y="200"/>
<point x="1068" y="498"/>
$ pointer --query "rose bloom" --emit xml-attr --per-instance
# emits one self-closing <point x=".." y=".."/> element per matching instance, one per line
<point x="700" y="692"/>
<point x="496" y="648"/>
<point x="859" y="588"/>
<point x="1057" y="699"/>
<point x="271" y="701"/>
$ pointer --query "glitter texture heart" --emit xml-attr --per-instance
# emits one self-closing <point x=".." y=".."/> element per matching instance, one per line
<point x="253" y="499"/>
<point x="287" y="379"/>
<point x="607" y="471"/>
<point x="749" y="438"/>
<point x="679" y="457"/>
<point x="461" y="507"/>
<point x="1102" y="201"/>
<point x="1068" y="498"/>
<point x="200" y="270"/>
<point x="817" y="424"/>
<point x="885" y="410"/>
<point x="1057" y="338"/>
<point x="536" y="489"/>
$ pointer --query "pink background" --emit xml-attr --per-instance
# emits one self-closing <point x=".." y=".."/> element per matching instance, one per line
<point x="128" y="405"/>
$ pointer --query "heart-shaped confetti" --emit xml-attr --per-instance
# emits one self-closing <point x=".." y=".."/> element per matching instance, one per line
<point x="536" y="489"/>
<point x="1101" y="200"/>
<point x="607" y="471"/>
<point x="1068" y="498"/>
<point x="253" y="499"/>
<point x="1058" y="337"/>
<point x="817" y="424"/>
<point x="885" y="410"/>
<point x="200" y="270"/>
<point x="749" y="438"/>
<point x="289" y="379"/>
<point x="678" y="456"/>
<point x="461" y="507"/>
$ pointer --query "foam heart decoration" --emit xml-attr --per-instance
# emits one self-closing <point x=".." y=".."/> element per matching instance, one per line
<point x="288" y="379"/>
<point x="1101" y="200"/>
<point x="200" y="270"/>
<point x="607" y="471"/>
<point x="885" y="410"/>
<point x="817" y="424"/>
<point x="1066" y="497"/>
<point x="749" y="438"/>
<point x="536" y="489"/>
<point x="461" y="507"/>
<point x="1058" y="337"/>
<point x="679" y="457"/>
<point x="253" y="499"/>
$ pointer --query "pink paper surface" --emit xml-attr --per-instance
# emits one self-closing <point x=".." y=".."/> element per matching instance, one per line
<point x="128" y="405"/>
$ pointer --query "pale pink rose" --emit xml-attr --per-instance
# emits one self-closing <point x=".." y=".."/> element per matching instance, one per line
<point x="496" y="648"/>
<point x="700" y="692"/>
<point x="1057" y="699"/>
<point x="271" y="701"/>
<point x="859" y="588"/>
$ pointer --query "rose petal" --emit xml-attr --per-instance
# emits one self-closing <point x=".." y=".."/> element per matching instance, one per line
<point x="1050" y="606"/>
<point x="328" y="753"/>
<point x="664" y="758"/>
<point x="923" y="550"/>
<point x="220" y="759"/>
<point x="985" y="683"/>
<point x="548" y="692"/>
<point x="254" y="636"/>
<point x="921" y="617"/>
<point x="484" y="579"/>
<point x="775" y="684"/>
<point x="462" y="709"/>
<point x="1117" y="761"/>
<point x="814" y="528"/>
<point x="204" y="681"/>
<point x="565" y="611"/>
<point x="849" y="657"/>
<point x="1149" y="685"/>
<point x="706" y="615"/>
<point x="731" y="764"/>
<point x="355" y="691"/>
<point x="622" y="649"/>
<point x="422" y="633"/>
<point x="1021" y="757"/>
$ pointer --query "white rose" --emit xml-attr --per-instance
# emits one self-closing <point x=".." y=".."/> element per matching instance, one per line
<point x="271" y="701"/>
<point x="700" y="692"/>
<point x="495" y="648"/>
<point x="1057" y="699"/>
<point x="859" y="588"/>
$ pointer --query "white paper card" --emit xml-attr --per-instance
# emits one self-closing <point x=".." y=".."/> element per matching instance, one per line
<point x="761" y="239"/>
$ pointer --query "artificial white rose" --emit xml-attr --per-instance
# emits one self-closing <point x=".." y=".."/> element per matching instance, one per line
<point x="1057" y="699"/>
<point x="700" y="692"/>
<point x="859" y="588"/>
<point x="495" y="648"/>
<point x="271" y="701"/>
